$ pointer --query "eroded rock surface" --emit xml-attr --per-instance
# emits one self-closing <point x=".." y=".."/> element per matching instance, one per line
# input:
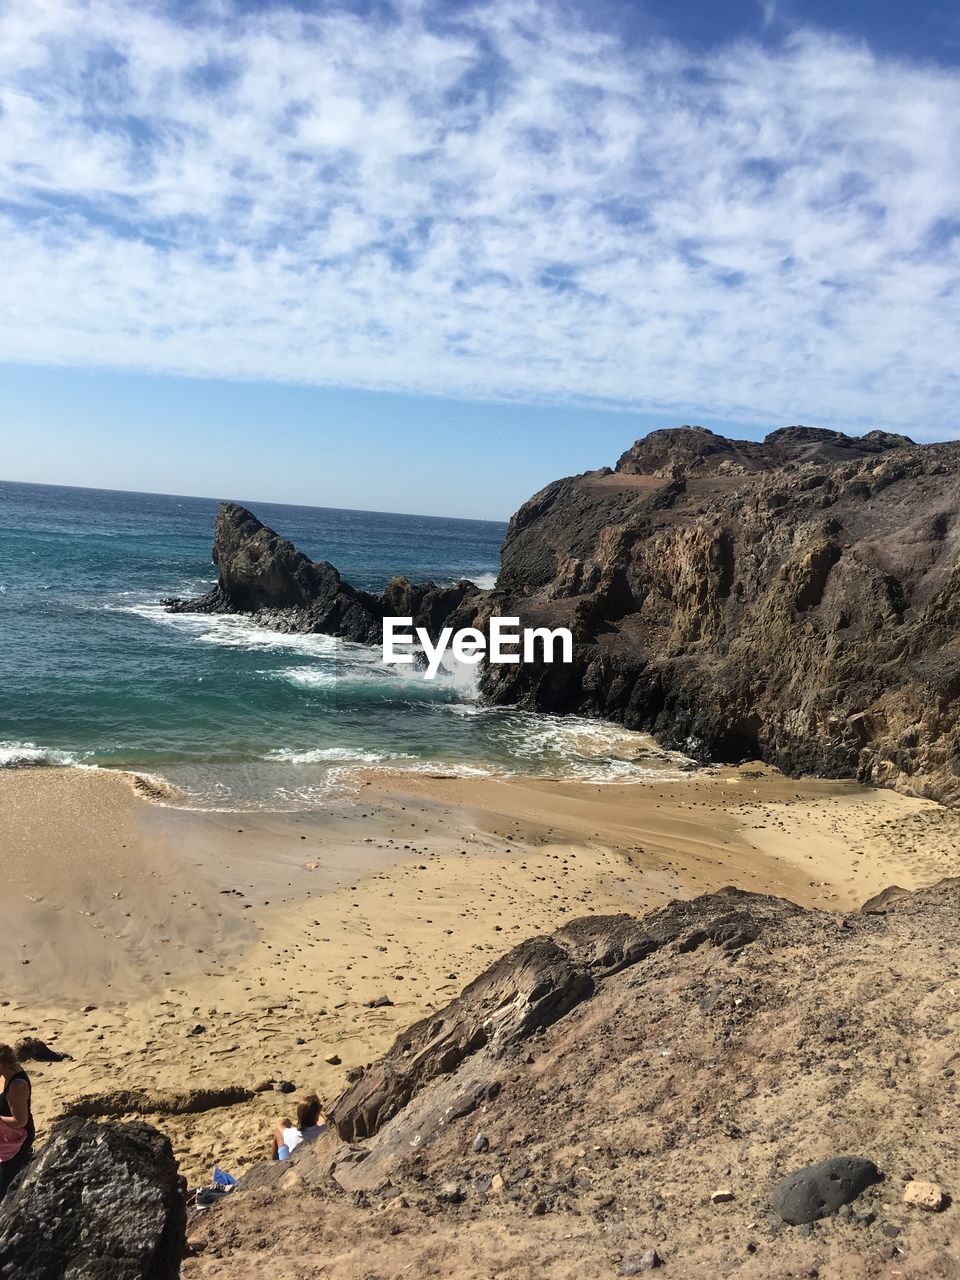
<point x="531" y="987"/>
<point x="99" y="1202"/>
<point x="821" y="1189"/>
<point x="795" y="600"/>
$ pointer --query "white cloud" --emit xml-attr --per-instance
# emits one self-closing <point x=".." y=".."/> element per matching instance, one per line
<point x="497" y="204"/>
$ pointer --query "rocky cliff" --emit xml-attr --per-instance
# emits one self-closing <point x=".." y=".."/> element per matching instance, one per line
<point x="730" y="1086"/>
<point x="795" y="600"/>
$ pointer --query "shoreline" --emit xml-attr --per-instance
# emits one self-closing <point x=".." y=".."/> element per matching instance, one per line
<point x="274" y="932"/>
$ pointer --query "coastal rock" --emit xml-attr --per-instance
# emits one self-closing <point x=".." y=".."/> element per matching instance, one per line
<point x="124" y="1102"/>
<point x="98" y="1201"/>
<point x="32" y="1049"/>
<point x="819" y="1190"/>
<point x="263" y="574"/>
<point x="924" y="1195"/>
<point x="795" y="600"/>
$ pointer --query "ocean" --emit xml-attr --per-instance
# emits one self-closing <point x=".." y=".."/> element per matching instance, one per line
<point x="94" y="672"/>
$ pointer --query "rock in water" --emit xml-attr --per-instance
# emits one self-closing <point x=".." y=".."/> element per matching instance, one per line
<point x="819" y="1190"/>
<point x="263" y="574"/>
<point x="100" y="1200"/>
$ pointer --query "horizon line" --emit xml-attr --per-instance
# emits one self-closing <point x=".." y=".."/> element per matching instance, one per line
<point x="248" y="502"/>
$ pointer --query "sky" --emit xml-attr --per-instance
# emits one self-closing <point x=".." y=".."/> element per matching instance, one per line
<point x="423" y="256"/>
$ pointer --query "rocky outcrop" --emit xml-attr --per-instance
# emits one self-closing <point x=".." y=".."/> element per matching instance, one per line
<point x="738" y="1085"/>
<point x="99" y="1201"/>
<point x="529" y="988"/>
<point x="795" y="600"/>
<point x="265" y="575"/>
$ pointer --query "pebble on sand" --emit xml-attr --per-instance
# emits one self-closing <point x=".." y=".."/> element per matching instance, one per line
<point x="924" y="1195"/>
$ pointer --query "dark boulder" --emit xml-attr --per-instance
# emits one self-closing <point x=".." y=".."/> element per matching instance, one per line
<point x="264" y="575"/>
<point x="99" y="1202"/>
<point x="32" y="1049"/>
<point x="819" y="1190"/>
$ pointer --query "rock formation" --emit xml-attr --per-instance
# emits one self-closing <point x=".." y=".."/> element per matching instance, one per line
<point x="795" y="600"/>
<point x="265" y="575"/>
<point x="529" y="988"/>
<point x="734" y="1084"/>
<point x="100" y="1200"/>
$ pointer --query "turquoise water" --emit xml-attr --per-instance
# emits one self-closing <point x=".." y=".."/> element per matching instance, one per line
<point x="93" y="671"/>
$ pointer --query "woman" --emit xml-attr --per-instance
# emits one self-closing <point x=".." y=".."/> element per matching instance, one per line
<point x="16" y="1118"/>
<point x="310" y="1124"/>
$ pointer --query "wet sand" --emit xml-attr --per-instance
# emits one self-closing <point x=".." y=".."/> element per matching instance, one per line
<point x="223" y="949"/>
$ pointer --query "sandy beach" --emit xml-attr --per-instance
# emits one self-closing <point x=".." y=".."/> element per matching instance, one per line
<point x="167" y="950"/>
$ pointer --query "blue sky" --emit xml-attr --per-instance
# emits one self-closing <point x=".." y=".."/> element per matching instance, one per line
<point x="424" y="256"/>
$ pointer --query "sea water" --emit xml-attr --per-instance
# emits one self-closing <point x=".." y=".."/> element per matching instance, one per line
<point x="93" y="670"/>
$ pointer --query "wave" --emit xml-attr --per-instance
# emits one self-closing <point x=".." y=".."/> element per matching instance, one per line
<point x="230" y="631"/>
<point x="17" y="755"/>
<point x="339" y="755"/>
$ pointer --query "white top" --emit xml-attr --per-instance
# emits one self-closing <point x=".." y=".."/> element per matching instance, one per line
<point x="293" y="1137"/>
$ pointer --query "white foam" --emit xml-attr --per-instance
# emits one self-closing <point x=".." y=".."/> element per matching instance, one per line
<point x="14" y="755"/>
<point x="230" y="631"/>
<point x="306" y="677"/>
<point x="338" y="755"/>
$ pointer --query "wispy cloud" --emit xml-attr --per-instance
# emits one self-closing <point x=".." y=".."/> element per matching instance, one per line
<point x="492" y="203"/>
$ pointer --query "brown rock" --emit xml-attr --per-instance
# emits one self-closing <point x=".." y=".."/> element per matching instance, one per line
<point x="924" y="1195"/>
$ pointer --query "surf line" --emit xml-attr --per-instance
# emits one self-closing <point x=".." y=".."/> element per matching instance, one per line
<point x="506" y="644"/>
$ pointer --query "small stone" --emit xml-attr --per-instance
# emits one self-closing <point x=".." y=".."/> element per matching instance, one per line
<point x="890" y="1229"/>
<point x="284" y="1086"/>
<point x="381" y="1002"/>
<point x="924" y="1195"/>
<point x="640" y="1262"/>
<point x="496" y="1182"/>
<point x="450" y="1193"/>
<point x="198" y="1030"/>
<point x="723" y="1195"/>
<point x="481" y="1143"/>
<point x="333" y="1059"/>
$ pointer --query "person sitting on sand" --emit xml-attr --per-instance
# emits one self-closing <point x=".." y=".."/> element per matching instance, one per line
<point x="16" y="1118"/>
<point x="310" y="1124"/>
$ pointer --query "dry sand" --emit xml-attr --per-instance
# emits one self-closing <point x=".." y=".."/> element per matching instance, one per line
<point x="229" y="949"/>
